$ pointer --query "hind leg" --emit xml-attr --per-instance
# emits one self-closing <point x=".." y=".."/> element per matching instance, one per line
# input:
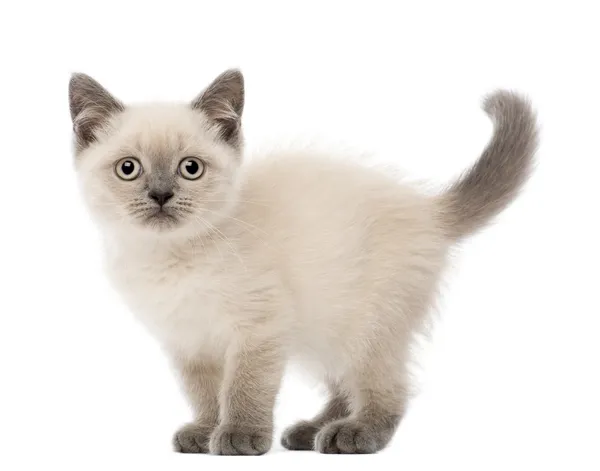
<point x="368" y="431"/>
<point x="378" y="402"/>
<point x="301" y="436"/>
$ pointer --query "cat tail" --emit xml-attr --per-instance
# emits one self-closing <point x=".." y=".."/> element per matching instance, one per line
<point x="495" y="180"/>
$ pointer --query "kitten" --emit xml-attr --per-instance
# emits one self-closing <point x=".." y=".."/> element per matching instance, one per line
<point x="239" y="268"/>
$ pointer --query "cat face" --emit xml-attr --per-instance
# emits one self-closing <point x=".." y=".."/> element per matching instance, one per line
<point x="163" y="168"/>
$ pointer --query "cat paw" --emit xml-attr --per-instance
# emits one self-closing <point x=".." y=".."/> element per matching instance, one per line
<point x="346" y="436"/>
<point x="192" y="438"/>
<point x="300" y="436"/>
<point x="240" y="440"/>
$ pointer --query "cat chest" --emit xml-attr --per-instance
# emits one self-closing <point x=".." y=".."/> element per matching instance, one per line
<point x="178" y="305"/>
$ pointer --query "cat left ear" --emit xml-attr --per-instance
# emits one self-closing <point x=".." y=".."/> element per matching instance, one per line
<point x="223" y="103"/>
<point x="91" y="106"/>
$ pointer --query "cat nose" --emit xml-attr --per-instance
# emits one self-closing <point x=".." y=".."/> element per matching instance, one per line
<point x="161" y="197"/>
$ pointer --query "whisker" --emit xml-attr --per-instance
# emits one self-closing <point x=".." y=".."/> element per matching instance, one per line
<point x="208" y="226"/>
<point x="236" y="201"/>
<point x="227" y="241"/>
<point x="239" y="222"/>
<point x="236" y="220"/>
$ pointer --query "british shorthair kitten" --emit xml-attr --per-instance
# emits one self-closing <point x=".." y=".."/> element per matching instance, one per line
<point x="239" y="268"/>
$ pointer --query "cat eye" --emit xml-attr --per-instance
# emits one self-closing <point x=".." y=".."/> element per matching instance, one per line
<point x="128" y="168"/>
<point x="191" y="168"/>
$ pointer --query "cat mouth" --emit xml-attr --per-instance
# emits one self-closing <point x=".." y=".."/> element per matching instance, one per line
<point x="161" y="217"/>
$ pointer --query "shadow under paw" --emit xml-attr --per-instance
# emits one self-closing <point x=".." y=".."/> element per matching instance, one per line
<point x="192" y="438"/>
<point x="240" y="440"/>
<point x="300" y="436"/>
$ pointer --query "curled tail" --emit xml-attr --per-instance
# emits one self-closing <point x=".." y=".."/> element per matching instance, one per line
<point x="494" y="181"/>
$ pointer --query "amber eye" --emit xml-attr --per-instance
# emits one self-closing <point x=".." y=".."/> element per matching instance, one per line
<point x="128" y="168"/>
<point x="191" y="168"/>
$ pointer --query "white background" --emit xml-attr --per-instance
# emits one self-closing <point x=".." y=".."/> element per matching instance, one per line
<point x="510" y="378"/>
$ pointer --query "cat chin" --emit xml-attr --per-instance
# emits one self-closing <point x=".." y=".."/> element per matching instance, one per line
<point x="142" y="230"/>
<point x="162" y="229"/>
<point x="162" y="222"/>
<point x="168" y="229"/>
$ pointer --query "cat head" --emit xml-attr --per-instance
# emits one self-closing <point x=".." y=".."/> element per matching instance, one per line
<point x="161" y="168"/>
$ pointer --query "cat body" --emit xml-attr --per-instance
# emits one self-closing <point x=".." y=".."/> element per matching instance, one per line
<point x="240" y="268"/>
<point x="187" y="293"/>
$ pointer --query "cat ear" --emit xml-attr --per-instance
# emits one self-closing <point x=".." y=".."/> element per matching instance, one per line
<point x="223" y="103"/>
<point x="91" y="106"/>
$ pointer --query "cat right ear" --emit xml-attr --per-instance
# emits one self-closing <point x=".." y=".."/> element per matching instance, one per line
<point x="91" y="106"/>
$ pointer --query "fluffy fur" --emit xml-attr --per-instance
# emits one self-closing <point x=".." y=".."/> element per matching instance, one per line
<point x="291" y="257"/>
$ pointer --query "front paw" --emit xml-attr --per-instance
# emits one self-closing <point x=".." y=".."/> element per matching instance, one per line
<point x="192" y="438"/>
<point x="240" y="440"/>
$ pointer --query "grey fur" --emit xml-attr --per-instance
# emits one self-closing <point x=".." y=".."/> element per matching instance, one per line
<point x="200" y="382"/>
<point x="236" y="440"/>
<point x="223" y="103"/>
<point x="91" y="106"/>
<point x="503" y="168"/>
<point x="192" y="438"/>
<point x="301" y="436"/>
<point x="356" y="436"/>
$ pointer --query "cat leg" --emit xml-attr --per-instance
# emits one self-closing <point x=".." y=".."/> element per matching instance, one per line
<point x="253" y="375"/>
<point x="378" y="403"/>
<point x="201" y="381"/>
<point x="301" y="436"/>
